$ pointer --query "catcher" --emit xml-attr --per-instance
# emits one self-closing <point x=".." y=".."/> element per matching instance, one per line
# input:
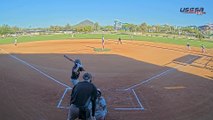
<point x="101" y="108"/>
<point x="77" y="68"/>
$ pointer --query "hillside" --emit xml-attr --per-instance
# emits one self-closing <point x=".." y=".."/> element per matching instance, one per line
<point x="85" y="23"/>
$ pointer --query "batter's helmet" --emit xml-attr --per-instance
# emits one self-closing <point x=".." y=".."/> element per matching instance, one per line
<point x="87" y="77"/>
<point x="77" y="61"/>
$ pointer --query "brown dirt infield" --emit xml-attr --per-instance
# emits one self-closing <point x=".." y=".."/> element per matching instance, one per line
<point x="179" y="82"/>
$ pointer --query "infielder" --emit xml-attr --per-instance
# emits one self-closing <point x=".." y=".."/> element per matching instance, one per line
<point x="119" y="40"/>
<point x="203" y="50"/>
<point x="77" y="68"/>
<point x="188" y="46"/>
<point x="102" y="42"/>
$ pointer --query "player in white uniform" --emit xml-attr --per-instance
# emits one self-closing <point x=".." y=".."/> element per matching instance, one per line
<point x="15" y="41"/>
<point x="203" y="50"/>
<point x="102" y="42"/>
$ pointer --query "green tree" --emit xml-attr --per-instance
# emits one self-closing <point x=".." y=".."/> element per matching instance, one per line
<point x="199" y="35"/>
<point x="55" y="28"/>
<point x="125" y="27"/>
<point x="96" y="26"/>
<point x="87" y="29"/>
<point x="5" y="29"/>
<point x="129" y="27"/>
<point x="67" y="27"/>
<point x="143" y="27"/>
<point x="132" y="27"/>
<point x="107" y="28"/>
<point x="84" y="28"/>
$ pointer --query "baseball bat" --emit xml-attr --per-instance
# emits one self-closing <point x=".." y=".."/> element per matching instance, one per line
<point x="68" y="58"/>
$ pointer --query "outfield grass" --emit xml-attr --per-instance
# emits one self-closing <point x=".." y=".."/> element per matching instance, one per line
<point x="101" y="50"/>
<point x="21" y="39"/>
<point x="177" y="41"/>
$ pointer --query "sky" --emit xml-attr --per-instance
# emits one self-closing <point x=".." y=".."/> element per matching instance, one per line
<point x="43" y="13"/>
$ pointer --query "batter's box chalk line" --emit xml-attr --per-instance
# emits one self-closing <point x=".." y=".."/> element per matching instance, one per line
<point x="146" y="81"/>
<point x="140" y="108"/>
<point x="44" y="74"/>
<point x="69" y="88"/>
<point x="61" y="100"/>
<point x="65" y="85"/>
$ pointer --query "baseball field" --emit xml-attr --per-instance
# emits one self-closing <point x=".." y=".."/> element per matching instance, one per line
<point x="140" y="80"/>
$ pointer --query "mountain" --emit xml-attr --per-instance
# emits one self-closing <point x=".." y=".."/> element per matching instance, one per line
<point x="85" y="23"/>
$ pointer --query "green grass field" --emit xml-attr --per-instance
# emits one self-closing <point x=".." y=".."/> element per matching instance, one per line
<point x="177" y="41"/>
<point x="101" y="50"/>
<point x="21" y="39"/>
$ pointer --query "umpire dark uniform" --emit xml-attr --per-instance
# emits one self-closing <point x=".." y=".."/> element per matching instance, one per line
<point x="82" y="94"/>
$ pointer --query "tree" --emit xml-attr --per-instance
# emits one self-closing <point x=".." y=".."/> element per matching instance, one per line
<point x="67" y="27"/>
<point x="199" y="35"/>
<point x="129" y="27"/>
<point x="96" y="26"/>
<point x="84" y="28"/>
<point x="132" y="27"/>
<point x="55" y="28"/>
<point x="87" y="29"/>
<point x="107" y="28"/>
<point x="143" y="27"/>
<point x="125" y="27"/>
<point x="5" y="29"/>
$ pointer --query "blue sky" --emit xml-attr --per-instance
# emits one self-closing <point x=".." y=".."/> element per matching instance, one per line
<point x="43" y="13"/>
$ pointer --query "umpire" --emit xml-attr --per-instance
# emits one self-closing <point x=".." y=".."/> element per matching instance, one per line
<point x="82" y="94"/>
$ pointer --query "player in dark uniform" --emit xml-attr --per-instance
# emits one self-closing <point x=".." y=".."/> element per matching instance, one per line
<point x="77" y="68"/>
<point x="188" y="46"/>
<point x="119" y="40"/>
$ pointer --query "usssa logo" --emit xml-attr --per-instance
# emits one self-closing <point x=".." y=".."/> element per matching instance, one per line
<point x="198" y="11"/>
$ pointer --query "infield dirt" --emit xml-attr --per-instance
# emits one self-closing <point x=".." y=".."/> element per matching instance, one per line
<point x="183" y="92"/>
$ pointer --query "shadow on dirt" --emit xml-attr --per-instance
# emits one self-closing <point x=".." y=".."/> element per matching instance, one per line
<point x="39" y="95"/>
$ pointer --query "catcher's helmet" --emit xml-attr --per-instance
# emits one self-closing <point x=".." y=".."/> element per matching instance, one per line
<point x="98" y="92"/>
<point x="77" y="61"/>
<point x="87" y="77"/>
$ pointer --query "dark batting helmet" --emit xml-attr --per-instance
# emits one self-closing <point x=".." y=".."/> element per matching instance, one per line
<point x="77" y="61"/>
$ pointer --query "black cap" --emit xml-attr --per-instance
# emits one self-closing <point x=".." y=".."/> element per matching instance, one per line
<point x="77" y="61"/>
<point x="87" y="77"/>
